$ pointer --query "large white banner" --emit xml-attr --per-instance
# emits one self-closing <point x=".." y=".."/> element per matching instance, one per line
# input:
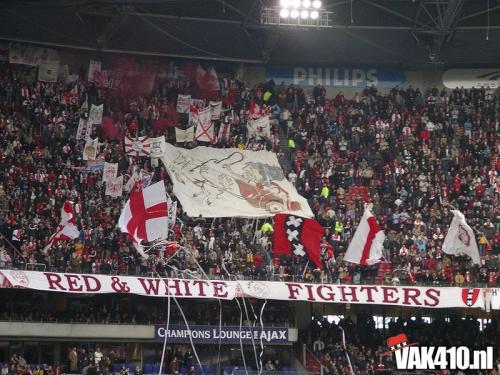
<point x="230" y="182"/>
<point x="469" y="78"/>
<point x="409" y="296"/>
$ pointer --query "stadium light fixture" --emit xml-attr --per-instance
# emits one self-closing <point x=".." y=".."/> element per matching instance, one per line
<point x="305" y="13"/>
<point x="284" y="13"/>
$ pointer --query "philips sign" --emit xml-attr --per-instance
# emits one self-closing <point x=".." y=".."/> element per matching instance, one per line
<point x="335" y="76"/>
<point x="226" y="334"/>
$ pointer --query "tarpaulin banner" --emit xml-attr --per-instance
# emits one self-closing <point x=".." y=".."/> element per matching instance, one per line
<point x="33" y="56"/>
<point x="184" y="135"/>
<point x="230" y="182"/>
<point x="200" y="334"/>
<point x="335" y="76"/>
<point x="139" y="146"/>
<point x="205" y="126"/>
<point x="409" y="296"/>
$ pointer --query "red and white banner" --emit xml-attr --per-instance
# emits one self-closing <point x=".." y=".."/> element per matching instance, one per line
<point x="408" y="296"/>
<point x="94" y="66"/>
<point x="205" y="128"/>
<point x="224" y="132"/>
<point x="137" y="147"/>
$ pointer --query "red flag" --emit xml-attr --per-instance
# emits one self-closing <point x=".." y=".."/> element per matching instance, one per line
<point x="298" y="235"/>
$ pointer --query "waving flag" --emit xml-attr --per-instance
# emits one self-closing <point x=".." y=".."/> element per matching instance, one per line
<point x="366" y="245"/>
<point x="139" y="146"/>
<point x="66" y="230"/>
<point x="298" y="235"/>
<point x="460" y="238"/>
<point x="145" y="215"/>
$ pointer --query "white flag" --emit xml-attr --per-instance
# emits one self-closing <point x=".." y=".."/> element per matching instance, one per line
<point x="84" y="129"/>
<point x="367" y="243"/>
<point x="259" y="128"/>
<point x="215" y="110"/>
<point x="48" y="71"/>
<point x="110" y="171"/>
<point x="186" y="135"/>
<point x="90" y="149"/>
<point x="157" y="146"/>
<point x="114" y="186"/>
<point x="95" y="114"/>
<point x="93" y="66"/>
<point x="205" y="127"/>
<point x="183" y="103"/>
<point x="460" y="238"/>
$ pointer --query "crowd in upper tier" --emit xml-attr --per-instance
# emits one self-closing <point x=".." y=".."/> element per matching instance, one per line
<point x="413" y="153"/>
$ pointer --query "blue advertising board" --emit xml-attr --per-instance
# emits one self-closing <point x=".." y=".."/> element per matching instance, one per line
<point x="227" y="334"/>
<point x="335" y="76"/>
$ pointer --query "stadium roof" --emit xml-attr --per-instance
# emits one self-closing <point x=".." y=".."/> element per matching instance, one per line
<point x="409" y="32"/>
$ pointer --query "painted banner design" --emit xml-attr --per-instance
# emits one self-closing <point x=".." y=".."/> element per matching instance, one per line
<point x="230" y="182"/>
<point x="409" y="296"/>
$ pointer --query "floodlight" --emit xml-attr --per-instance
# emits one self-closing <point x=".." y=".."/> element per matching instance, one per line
<point x="284" y="13"/>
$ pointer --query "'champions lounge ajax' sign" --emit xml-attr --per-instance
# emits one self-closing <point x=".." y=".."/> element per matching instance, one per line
<point x="225" y="334"/>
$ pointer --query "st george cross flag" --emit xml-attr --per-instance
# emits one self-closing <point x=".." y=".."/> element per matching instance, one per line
<point x="367" y="243"/>
<point x="145" y="215"/>
<point x="297" y="235"/>
<point x="460" y="238"/>
<point x="205" y="128"/>
<point x="139" y="146"/>
<point x="66" y="230"/>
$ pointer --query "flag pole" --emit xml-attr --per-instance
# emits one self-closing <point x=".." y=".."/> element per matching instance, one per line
<point x="305" y="269"/>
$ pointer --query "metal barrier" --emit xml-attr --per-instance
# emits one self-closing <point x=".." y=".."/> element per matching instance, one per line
<point x="35" y="267"/>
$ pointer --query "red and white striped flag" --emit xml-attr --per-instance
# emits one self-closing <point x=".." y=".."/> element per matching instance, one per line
<point x="145" y="215"/>
<point x="66" y="230"/>
<point x="367" y="243"/>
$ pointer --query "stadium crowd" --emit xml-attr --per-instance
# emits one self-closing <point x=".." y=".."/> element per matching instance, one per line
<point x="412" y="153"/>
<point x="366" y="345"/>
